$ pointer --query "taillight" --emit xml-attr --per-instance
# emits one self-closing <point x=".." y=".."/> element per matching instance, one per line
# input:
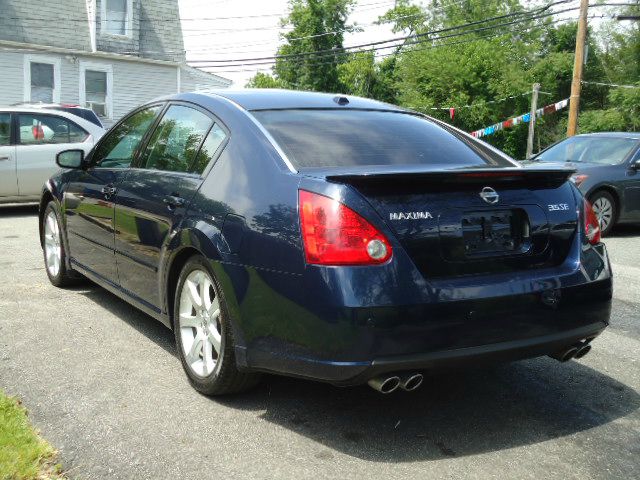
<point x="333" y="234"/>
<point x="578" y="179"/>
<point x="591" y="224"/>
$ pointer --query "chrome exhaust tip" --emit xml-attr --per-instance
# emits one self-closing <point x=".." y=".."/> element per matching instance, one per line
<point x="565" y="355"/>
<point x="385" y="385"/>
<point x="411" y="382"/>
<point x="582" y="351"/>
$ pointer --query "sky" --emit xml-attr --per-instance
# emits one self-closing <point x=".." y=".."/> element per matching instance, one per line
<point x="240" y="29"/>
<point x="210" y="32"/>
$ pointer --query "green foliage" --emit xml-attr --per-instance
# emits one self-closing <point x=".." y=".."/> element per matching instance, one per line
<point x="23" y="454"/>
<point x="470" y="71"/>
<point x="318" y="26"/>
<point x="264" y="80"/>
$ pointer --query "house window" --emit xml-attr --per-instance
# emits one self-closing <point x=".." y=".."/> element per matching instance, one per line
<point x="41" y="79"/>
<point x="116" y="17"/>
<point x="42" y="82"/>
<point x="96" y="87"/>
<point x="96" y="91"/>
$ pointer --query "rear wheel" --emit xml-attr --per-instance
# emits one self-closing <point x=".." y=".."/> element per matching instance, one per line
<point x="55" y="255"/>
<point x="604" y="206"/>
<point x="204" y="337"/>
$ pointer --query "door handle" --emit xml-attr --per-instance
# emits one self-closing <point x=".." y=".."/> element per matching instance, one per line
<point x="4" y="158"/>
<point x="173" y="201"/>
<point x="108" y="191"/>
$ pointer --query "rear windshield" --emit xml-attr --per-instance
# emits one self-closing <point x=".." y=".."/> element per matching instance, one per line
<point x="596" y="149"/>
<point x="343" y="138"/>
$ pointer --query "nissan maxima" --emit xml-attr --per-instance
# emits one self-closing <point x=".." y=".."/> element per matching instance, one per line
<point x="327" y="237"/>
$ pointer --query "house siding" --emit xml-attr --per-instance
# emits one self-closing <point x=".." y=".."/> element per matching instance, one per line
<point x="143" y="65"/>
<point x="12" y="77"/>
<point x="58" y="24"/>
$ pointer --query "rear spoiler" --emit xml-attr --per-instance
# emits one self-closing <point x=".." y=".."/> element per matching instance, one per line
<point x="523" y="177"/>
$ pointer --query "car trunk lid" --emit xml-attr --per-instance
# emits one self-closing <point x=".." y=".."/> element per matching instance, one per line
<point x="473" y="221"/>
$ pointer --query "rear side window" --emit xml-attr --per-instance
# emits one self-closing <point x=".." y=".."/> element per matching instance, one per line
<point x="5" y="129"/>
<point x="38" y="129"/>
<point x="175" y="141"/>
<point x="343" y="138"/>
<point x="209" y="148"/>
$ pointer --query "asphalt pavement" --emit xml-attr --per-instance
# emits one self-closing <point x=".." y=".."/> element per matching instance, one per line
<point x="103" y="384"/>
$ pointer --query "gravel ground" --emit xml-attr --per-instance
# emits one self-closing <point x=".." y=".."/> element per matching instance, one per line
<point x="103" y="384"/>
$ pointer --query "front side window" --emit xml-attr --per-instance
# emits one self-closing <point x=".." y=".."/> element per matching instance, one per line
<point x="5" y="129"/>
<point x="119" y="146"/>
<point x="116" y="13"/>
<point x="41" y="129"/>
<point x="95" y="85"/>
<point x="175" y="141"/>
<point x="42" y="82"/>
<point x="346" y="138"/>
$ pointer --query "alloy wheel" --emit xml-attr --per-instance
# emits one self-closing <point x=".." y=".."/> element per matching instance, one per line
<point x="52" y="244"/>
<point x="199" y="323"/>
<point x="604" y="212"/>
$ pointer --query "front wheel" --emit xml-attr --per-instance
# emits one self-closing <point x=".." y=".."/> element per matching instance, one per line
<point x="204" y="337"/>
<point x="604" y="206"/>
<point x="55" y="255"/>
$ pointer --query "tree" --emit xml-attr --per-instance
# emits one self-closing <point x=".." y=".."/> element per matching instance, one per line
<point x="264" y="80"/>
<point x="318" y="26"/>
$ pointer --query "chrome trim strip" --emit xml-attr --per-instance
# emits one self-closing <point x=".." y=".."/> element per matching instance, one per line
<point x="263" y="130"/>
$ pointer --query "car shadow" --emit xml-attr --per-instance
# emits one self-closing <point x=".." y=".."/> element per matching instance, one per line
<point x="143" y="323"/>
<point x="12" y="210"/>
<point x="621" y="231"/>
<point x="453" y="414"/>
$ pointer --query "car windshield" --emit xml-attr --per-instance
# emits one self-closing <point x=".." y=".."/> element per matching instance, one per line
<point x="602" y="150"/>
<point x="345" y="138"/>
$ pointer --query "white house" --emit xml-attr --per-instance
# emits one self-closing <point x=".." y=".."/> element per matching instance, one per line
<point x="108" y="55"/>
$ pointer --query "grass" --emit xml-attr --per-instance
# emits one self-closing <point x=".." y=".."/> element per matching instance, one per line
<point x="23" y="454"/>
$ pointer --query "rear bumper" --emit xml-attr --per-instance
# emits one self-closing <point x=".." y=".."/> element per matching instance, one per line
<point x="355" y="373"/>
<point x="497" y="319"/>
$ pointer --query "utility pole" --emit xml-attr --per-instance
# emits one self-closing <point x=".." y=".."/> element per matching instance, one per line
<point x="578" y="62"/>
<point x="532" y="119"/>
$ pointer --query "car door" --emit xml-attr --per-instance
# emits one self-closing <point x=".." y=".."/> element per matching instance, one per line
<point x="39" y="138"/>
<point x="8" y="179"/>
<point x="632" y="188"/>
<point x="89" y="197"/>
<point x="153" y="198"/>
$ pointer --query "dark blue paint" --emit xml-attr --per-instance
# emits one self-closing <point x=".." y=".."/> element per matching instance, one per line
<point x="425" y="308"/>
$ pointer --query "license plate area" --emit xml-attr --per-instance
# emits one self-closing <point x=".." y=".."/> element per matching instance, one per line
<point x="496" y="232"/>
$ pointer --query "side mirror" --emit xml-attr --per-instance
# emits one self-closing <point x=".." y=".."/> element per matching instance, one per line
<point x="636" y="165"/>
<point x="70" y="158"/>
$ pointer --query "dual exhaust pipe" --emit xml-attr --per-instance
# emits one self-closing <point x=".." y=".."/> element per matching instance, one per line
<point x="387" y="384"/>
<point x="576" y="351"/>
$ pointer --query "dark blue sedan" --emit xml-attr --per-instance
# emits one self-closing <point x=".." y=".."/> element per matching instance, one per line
<point x="327" y="237"/>
<point x="607" y="173"/>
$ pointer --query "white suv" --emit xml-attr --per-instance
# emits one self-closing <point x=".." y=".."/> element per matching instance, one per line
<point x="30" y="138"/>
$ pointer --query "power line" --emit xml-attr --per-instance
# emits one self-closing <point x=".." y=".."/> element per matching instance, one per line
<point x="411" y="51"/>
<point x="417" y="37"/>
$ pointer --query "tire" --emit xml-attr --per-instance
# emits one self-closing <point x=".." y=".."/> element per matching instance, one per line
<point x="204" y="337"/>
<point x="606" y="209"/>
<point x="54" y="250"/>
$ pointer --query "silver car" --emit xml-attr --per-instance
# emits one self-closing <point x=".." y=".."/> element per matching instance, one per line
<point x="30" y="138"/>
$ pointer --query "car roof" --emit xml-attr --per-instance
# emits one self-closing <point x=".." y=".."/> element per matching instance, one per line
<point x="634" y="135"/>
<point x="91" y="127"/>
<point x="273" y="98"/>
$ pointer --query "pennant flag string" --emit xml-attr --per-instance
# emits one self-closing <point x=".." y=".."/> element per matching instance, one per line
<point x="525" y="118"/>
<point x="452" y="110"/>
